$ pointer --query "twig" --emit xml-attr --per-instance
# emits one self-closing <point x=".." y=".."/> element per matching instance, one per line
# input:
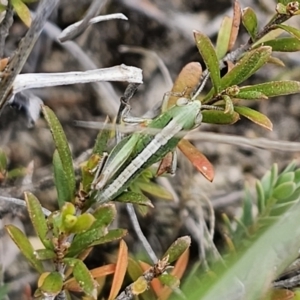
<point x="20" y="202"/>
<point x="104" y="90"/>
<point x="141" y="284"/>
<point x="81" y="26"/>
<point x="19" y="58"/>
<point x="4" y="27"/>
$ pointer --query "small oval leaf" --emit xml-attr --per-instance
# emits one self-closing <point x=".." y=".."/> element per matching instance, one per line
<point x="254" y="116"/>
<point x="24" y="245"/>
<point x="285" y="44"/>
<point x="249" y="20"/>
<point x="275" y="88"/>
<point x="51" y="285"/>
<point x="219" y="117"/>
<point x="64" y="193"/>
<point x="223" y="37"/>
<point x="134" y="198"/>
<point x="177" y="248"/>
<point x="62" y="146"/>
<point x="37" y="219"/>
<point x="289" y="29"/>
<point x="210" y="58"/>
<point x="284" y="190"/>
<point x="22" y="11"/>
<point x="199" y="161"/>
<point x="85" y="280"/>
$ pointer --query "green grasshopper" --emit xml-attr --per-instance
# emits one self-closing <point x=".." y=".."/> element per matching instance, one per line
<point x="140" y="150"/>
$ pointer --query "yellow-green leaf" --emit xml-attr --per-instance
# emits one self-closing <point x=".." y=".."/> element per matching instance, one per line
<point x="254" y="116"/>
<point x="219" y="117"/>
<point x="24" y="245"/>
<point x="134" y="198"/>
<point x="249" y="20"/>
<point x="52" y="284"/>
<point x="291" y="30"/>
<point x="62" y="146"/>
<point x="64" y="194"/>
<point x="37" y="219"/>
<point x="85" y="280"/>
<point x="210" y="58"/>
<point x="285" y="44"/>
<point x="223" y="37"/>
<point x="177" y="248"/>
<point x="22" y="11"/>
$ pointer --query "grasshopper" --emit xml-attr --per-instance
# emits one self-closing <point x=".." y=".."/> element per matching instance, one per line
<point x="140" y="150"/>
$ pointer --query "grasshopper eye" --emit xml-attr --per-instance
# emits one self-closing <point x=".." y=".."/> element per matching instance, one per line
<point x="198" y="119"/>
<point x="182" y="101"/>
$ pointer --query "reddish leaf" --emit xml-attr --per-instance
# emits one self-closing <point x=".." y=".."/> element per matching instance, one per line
<point x="120" y="271"/>
<point x="235" y="24"/>
<point x="185" y="83"/>
<point x="199" y="161"/>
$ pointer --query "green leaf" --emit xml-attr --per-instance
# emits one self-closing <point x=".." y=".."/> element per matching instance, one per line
<point x="291" y="30"/>
<point x="246" y="66"/>
<point x="260" y="197"/>
<point x="243" y="274"/>
<point x="177" y="248"/>
<point x="38" y="219"/>
<point x="45" y="254"/>
<point x="272" y="88"/>
<point x="84" y="278"/>
<point x="83" y="223"/>
<point x="104" y="215"/>
<point x="24" y="245"/>
<point x="22" y="11"/>
<point x="101" y="141"/>
<point x="254" y="116"/>
<point x="52" y="284"/>
<point x="169" y="280"/>
<point x="64" y="193"/>
<point x="290" y="167"/>
<point x="62" y="146"/>
<point x="228" y="105"/>
<point x="112" y="235"/>
<point x="247" y="217"/>
<point x="284" y="190"/>
<point x="88" y="172"/>
<point x="2" y="9"/>
<point x="3" y="161"/>
<point x="210" y="58"/>
<point x="219" y="117"/>
<point x="84" y="240"/>
<point x="134" y="198"/>
<point x="285" y="177"/>
<point x="3" y="292"/>
<point x="250" y="94"/>
<point x="249" y="20"/>
<point x="285" y="44"/>
<point x="267" y="184"/>
<point x="223" y="37"/>
<point x="154" y="190"/>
